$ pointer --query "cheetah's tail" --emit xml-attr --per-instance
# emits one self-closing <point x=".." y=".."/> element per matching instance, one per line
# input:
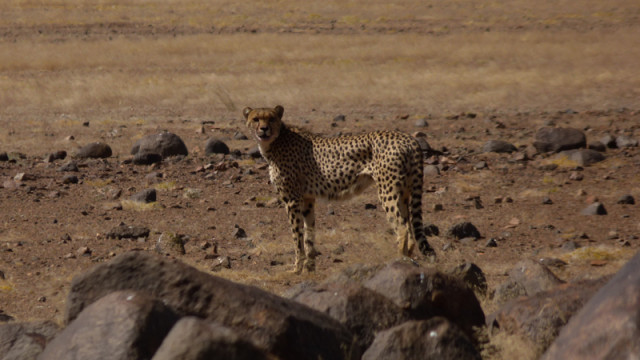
<point x="417" y="176"/>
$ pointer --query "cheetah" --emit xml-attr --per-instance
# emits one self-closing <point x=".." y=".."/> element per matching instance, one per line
<point x="304" y="166"/>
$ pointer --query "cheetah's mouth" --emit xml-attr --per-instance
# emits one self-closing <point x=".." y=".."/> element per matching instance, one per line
<point x="263" y="136"/>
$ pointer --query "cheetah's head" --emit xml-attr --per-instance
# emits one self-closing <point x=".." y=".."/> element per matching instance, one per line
<point x="265" y="123"/>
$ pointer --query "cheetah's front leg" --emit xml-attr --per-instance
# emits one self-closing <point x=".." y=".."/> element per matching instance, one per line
<point x="296" y="218"/>
<point x="309" y="234"/>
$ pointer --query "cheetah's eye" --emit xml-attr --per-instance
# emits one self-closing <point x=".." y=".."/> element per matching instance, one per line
<point x="256" y="119"/>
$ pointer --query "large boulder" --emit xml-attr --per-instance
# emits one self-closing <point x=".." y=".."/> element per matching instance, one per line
<point x="164" y="144"/>
<point x="541" y="316"/>
<point x="436" y="338"/>
<point x="528" y="277"/>
<point x="361" y="310"/>
<point x="122" y="325"/>
<point x="25" y="341"/>
<point x="608" y="326"/>
<point x="285" y="328"/>
<point x="195" y="339"/>
<point x="559" y="139"/>
<point x="425" y="293"/>
<point x="215" y="146"/>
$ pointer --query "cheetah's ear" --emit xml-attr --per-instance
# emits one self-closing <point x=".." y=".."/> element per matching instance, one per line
<point x="279" y="111"/>
<point x="246" y="112"/>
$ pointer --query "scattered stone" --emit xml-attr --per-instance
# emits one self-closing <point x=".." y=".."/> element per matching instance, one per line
<point x="240" y="136"/>
<point x="626" y="199"/>
<point x="255" y="153"/>
<point x="553" y="262"/>
<point x="146" y="158"/>
<point x="607" y="326"/>
<point x="170" y="244"/>
<point x="623" y="141"/>
<point x="595" y="208"/>
<point x="4" y="156"/>
<point x="221" y="262"/>
<point x="438" y="207"/>
<point x="58" y="155"/>
<point x="609" y="141"/>
<point x="436" y="338"/>
<point x="192" y="338"/>
<point x="369" y="206"/>
<point x="83" y="251"/>
<point x="576" y="176"/>
<point x="425" y="293"/>
<point x="559" y="139"/>
<point x="23" y="177"/>
<point x="597" y="146"/>
<point x="431" y="171"/>
<point x="282" y="327"/>
<point x="570" y="246"/>
<point x="463" y="230"/>
<point x="422" y="122"/>
<point x="70" y="166"/>
<point x="498" y="146"/>
<point x="339" y="118"/>
<point x="473" y="276"/>
<point x="238" y="232"/>
<point x="215" y="146"/>
<point x="480" y="165"/>
<point x="25" y="340"/>
<point x="153" y="177"/>
<point x="96" y="150"/>
<point x="70" y="179"/>
<point x="584" y="157"/>
<point x="527" y="278"/>
<point x="547" y="201"/>
<point x="145" y="196"/>
<point x="121" y="325"/>
<point x="165" y="143"/>
<point x="491" y="243"/>
<point x="128" y="232"/>
<point x="540" y="317"/>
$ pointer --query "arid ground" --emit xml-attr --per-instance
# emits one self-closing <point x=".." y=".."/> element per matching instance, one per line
<point x="74" y="72"/>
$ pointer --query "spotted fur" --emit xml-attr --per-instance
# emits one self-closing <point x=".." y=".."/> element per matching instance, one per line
<point x="304" y="166"/>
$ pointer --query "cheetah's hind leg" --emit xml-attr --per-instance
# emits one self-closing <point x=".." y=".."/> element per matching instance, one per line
<point x="310" y="252"/>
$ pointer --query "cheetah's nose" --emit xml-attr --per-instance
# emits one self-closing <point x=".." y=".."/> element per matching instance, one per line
<point x="264" y="128"/>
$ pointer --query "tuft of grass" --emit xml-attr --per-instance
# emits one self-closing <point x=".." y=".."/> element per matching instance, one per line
<point x="590" y="253"/>
<point x="563" y="161"/>
<point x="165" y="185"/>
<point x="190" y="193"/>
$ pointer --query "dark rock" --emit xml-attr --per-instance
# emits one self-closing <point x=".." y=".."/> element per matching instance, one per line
<point x="25" y="341"/>
<point x="480" y="165"/>
<point x="70" y="179"/>
<point x="369" y="206"/>
<point x="422" y="122"/>
<point x="128" y="232"/>
<point x="436" y="338"/>
<point x="541" y="316"/>
<point x="559" y="139"/>
<point x="426" y="293"/>
<point x="121" y="325"/>
<point x="153" y="177"/>
<point x="96" y="150"/>
<point x="626" y="199"/>
<point x="58" y="155"/>
<point x="192" y="338"/>
<point x="240" y="136"/>
<point x="144" y="196"/>
<point x="165" y="143"/>
<point x="463" y="230"/>
<point x="498" y="146"/>
<point x="238" y="233"/>
<point x="4" y="156"/>
<point x="584" y="157"/>
<point x="595" y="208"/>
<point x="597" y="146"/>
<point x="608" y="325"/>
<point x="528" y="277"/>
<point x="609" y="141"/>
<point x="473" y="276"/>
<point x="215" y="146"/>
<point x="146" y="158"/>
<point x="623" y="141"/>
<point x="360" y="309"/>
<point x="339" y="118"/>
<point x="491" y="243"/>
<point x="255" y="153"/>
<point x="285" y="328"/>
<point x="547" y="201"/>
<point x="70" y="166"/>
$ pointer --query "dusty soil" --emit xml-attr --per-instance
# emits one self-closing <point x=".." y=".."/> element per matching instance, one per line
<point x="43" y="222"/>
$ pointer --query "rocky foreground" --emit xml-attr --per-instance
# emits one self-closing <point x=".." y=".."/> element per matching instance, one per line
<point x="144" y="306"/>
